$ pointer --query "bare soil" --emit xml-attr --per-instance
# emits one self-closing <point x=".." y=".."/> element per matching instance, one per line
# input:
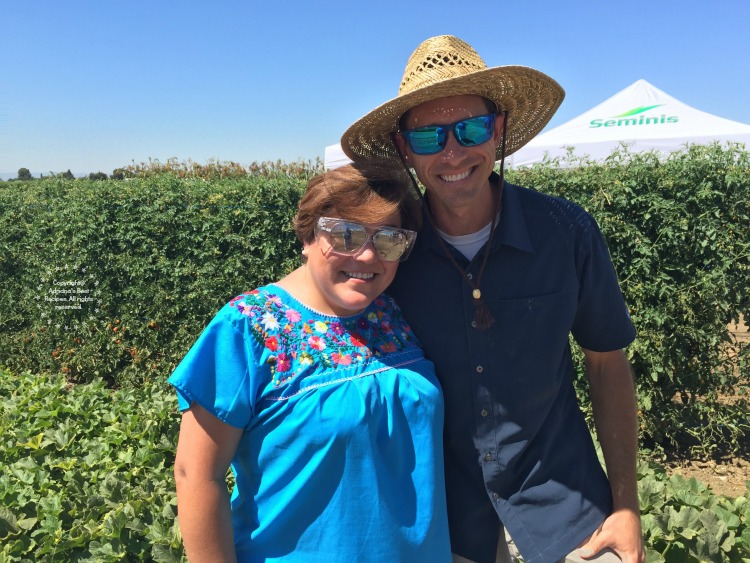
<point x="724" y="477"/>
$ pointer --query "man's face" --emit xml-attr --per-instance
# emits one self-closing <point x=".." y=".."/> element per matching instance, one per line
<point x="457" y="176"/>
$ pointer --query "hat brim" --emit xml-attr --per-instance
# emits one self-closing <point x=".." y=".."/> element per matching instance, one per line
<point x="530" y="97"/>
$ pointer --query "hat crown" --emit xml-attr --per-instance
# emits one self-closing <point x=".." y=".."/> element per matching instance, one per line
<point x="437" y="59"/>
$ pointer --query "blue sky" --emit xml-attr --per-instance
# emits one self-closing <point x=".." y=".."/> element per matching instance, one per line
<point x="91" y="86"/>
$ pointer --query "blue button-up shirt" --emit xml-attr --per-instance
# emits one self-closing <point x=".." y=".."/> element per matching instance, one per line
<point x="516" y="443"/>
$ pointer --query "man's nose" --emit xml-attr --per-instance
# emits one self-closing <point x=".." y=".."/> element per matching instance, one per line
<point x="453" y="149"/>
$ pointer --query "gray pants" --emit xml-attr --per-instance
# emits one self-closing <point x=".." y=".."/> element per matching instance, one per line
<point x="504" y="554"/>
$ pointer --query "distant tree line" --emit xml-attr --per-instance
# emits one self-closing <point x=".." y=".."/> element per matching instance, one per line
<point x="189" y="169"/>
<point x="24" y="175"/>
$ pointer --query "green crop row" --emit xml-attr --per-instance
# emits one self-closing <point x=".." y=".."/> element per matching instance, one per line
<point x="683" y="521"/>
<point x="113" y="280"/>
<point x="87" y="476"/>
<point x="678" y="230"/>
<point x="87" y="471"/>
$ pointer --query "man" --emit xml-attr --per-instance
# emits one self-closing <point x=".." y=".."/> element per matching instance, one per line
<point x="498" y="280"/>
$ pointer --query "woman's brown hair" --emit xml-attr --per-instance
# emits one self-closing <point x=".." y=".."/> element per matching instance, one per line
<point x="362" y="194"/>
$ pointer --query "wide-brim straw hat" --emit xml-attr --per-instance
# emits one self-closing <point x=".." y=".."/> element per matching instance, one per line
<point x="447" y="66"/>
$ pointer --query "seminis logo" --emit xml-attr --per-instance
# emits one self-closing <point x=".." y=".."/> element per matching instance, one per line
<point x="635" y="117"/>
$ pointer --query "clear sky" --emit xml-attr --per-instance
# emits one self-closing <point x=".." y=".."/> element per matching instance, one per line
<point x="95" y="85"/>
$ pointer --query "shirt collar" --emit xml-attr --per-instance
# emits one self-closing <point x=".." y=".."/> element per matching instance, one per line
<point x="511" y="230"/>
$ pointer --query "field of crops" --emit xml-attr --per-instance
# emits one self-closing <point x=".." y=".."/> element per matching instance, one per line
<point x="87" y="476"/>
<point x="106" y="283"/>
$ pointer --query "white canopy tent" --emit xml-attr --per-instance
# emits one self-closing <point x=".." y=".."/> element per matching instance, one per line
<point x="335" y="157"/>
<point x="641" y="116"/>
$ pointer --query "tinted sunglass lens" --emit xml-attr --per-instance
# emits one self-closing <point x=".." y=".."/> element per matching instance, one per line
<point x="427" y="140"/>
<point x="347" y="237"/>
<point x="390" y="244"/>
<point x="474" y="131"/>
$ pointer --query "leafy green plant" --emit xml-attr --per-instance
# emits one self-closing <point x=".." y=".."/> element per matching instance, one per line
<point x="684" y="522"/>
<point x="678" y="230"/>
<point x="215" y="169"/>
<point x="114" y="280"/>
<point x="87" y="471"/>
<point x="160" y="250"/>
<point x="87" y="476"/>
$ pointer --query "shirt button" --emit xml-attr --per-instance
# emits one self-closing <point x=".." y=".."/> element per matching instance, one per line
<point x="495" y="496"/>
<point x="474" y="324"/>
<point x="488" y="457"/>
<point x="484" y="412"/>
<point x="469" y="277"/>
<point x="480" y="369"/>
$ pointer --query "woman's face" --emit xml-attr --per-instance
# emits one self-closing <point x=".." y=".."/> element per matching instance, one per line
<point x="342" y="284"/>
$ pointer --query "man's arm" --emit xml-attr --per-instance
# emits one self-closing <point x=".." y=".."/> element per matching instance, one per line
<point x="616" y="421"/>
<point x="204" y="451"/>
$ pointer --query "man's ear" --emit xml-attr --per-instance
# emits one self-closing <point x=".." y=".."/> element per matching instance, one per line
<point x="400" y="142"/>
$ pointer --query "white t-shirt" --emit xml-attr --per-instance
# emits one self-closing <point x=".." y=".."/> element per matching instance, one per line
<point x="468" y="245"/>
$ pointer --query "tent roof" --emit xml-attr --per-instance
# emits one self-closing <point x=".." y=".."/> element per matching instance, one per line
<point x="641" y="116"/>
<point x="335" y="157"/>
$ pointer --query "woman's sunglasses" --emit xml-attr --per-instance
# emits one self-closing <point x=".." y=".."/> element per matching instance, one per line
<point x="347" y="237"/>
<point x="469" y="132"/>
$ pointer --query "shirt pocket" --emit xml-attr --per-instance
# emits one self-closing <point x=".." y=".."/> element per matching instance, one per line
<point x="531" y="337"/>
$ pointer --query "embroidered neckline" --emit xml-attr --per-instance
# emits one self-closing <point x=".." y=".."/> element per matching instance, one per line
<point x="302" y="305"/>
<point x="297" y="339"/>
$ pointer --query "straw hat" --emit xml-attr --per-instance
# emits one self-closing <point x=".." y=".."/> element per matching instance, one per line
<point x="447" y="66"/>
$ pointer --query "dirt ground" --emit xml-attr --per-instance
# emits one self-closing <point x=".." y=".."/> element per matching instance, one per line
<point x="726" y="477"/>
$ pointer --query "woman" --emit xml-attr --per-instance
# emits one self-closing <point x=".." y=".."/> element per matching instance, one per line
<point x="316" y="392"/>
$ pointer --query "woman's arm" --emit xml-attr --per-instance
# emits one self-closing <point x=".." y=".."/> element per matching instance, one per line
<point x="204" y="451"/>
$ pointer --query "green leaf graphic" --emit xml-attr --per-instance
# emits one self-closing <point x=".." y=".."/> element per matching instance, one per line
<point x="638" y="110"/>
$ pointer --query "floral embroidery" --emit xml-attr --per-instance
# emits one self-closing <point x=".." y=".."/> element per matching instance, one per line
<point x="387" y="347"/>
<point x="292" y="315"/>
<point x="297" y="339"/>
<point x="270" y="322"/>
<point x="344" y="360"/>
<point x="358" y="339"/>
<point x="317" y="342"/>
<point x="283" y="362"/>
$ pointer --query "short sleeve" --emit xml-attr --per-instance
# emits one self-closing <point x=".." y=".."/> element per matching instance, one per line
<point x="217" y="371"/>
<point x="602" y="322"/>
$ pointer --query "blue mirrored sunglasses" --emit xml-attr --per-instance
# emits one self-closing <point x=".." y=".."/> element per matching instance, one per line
<point x="468" y="132"/>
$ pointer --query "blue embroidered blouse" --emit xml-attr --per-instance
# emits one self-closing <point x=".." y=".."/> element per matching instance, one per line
<point x="341" y="457"/>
